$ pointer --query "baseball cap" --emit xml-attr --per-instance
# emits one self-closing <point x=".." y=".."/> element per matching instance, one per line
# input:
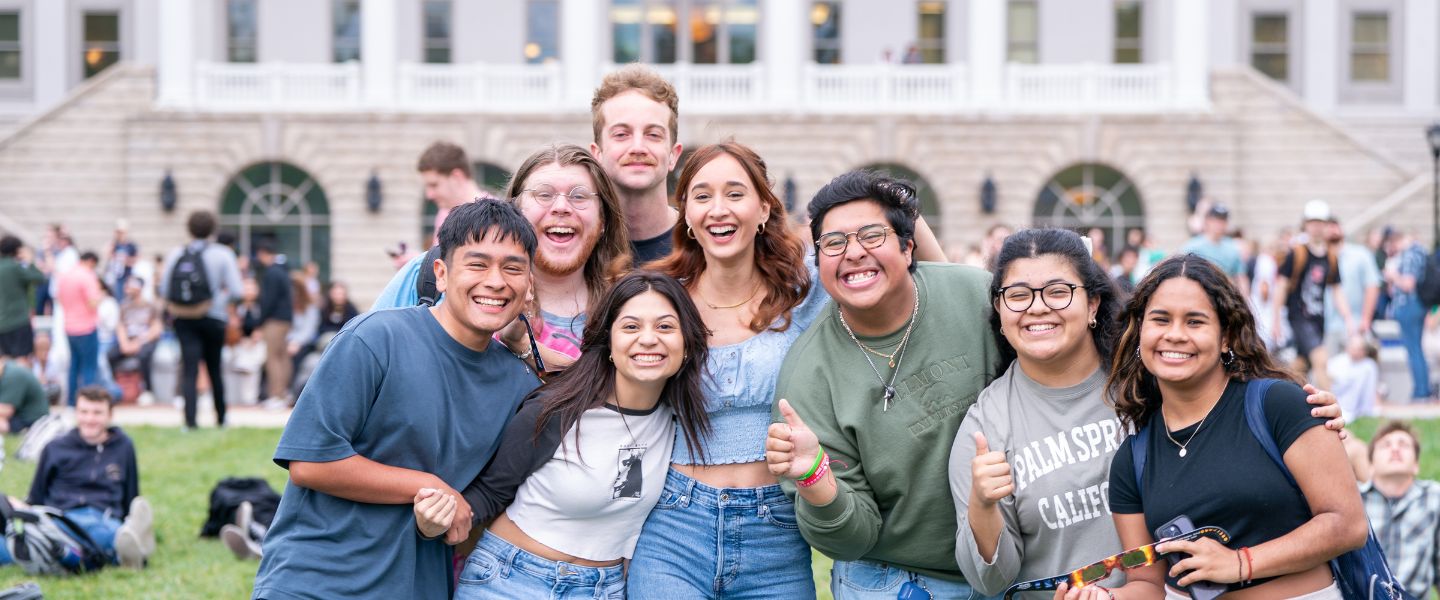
<point x="1317" y="210"/>
<point x="1219" y="211"/>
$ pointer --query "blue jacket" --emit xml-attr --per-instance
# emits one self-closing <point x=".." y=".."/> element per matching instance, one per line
<point x="73" y="474"/>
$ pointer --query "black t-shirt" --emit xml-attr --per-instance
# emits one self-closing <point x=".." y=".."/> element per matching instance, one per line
<point x="1306" y="296"/>
<point x="653" y="248"/>
<point x="1226" y="479"/>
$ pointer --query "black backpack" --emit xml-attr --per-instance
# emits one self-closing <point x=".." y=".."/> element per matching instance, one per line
<point x="189" y="292"/>
<point x="1427" y="285"/>
<point x="227" y="496"/>
<point x="425" y="284"/>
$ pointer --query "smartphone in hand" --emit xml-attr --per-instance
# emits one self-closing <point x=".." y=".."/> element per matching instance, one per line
<point x="1204" y="590"/>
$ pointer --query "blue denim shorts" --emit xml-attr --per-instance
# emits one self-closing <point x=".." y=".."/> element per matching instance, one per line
<point x="499" y="570"/>
<point x="866" y="580"/>
<point x="706" y="542"/>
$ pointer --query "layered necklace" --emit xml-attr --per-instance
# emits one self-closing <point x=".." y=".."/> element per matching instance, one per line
<point x="895" y="358"/>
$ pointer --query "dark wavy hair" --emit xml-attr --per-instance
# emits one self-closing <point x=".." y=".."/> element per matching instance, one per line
<point x="896" y="198"/>
<point x="779" y="254"/>
<point x="1134" y="390"/>
<point x="590" y="381"/>
<point x="1070" y="247"/>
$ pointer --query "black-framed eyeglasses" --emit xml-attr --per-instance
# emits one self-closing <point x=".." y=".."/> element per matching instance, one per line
<point x="579" y="196"/>
<point x="1056" y="296"/>
<point x="869" y="236"/>
<point x="1129" y="559"/>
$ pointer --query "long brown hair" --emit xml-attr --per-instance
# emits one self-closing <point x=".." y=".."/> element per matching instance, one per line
<point x="590" y="381"/>
<point x="611" y="255"/>
<point x="779" y="255"/>
<point x="1134" y="390"/>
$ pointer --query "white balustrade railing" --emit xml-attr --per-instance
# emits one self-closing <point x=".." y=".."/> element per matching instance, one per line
<point x="885" y="88"/>
<point x="277" y="86"/>
<point x="705" y="89"/>
<point x="480" y="87"/>
<point x="1088" y="88"/>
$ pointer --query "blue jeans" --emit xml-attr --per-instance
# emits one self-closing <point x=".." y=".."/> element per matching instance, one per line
<point x="1411" y="316"/>
<point x="84" y="362"/>
<point x="705" y="542"/>
<point x="99" y="524"/>
<point x="865" y="580"/>
<point x="497" y="569"/>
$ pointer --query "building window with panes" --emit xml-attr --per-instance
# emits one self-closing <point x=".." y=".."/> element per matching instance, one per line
<point x="240" y="31"/>
<point x="1270" y="45"/>
<point x="930" y="41"/>
<point x="345" y="27"/>
<point x="542" y="31"/>
<point x="1022" y="24"/>
<point x="723" y="31"/>
<point x="1128" y="34"/>
<point x="644" y="30"/>
<point x="436" y="25"/>
<point x="825" y="25"/>
<point x="101" y="42"/>
<point x="1370" y="47"/>
<point x="10" y="48"/>
<point x="714" y="31"/>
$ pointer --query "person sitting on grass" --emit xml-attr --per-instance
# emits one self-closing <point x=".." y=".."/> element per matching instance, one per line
<point x="1404" y="511"/>
<point x="91" y="475"/>
<point x="22" y="398"/>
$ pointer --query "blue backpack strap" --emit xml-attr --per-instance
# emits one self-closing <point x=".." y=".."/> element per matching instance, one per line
<point x="1139" y="447"/>
<point x="1259" y="427"/>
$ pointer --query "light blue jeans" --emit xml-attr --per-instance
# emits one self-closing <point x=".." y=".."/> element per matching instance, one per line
<point x="498" y="569"/>
<point x="865" y="580"/>
<point x="705" y="542"/>
<point x="1411" y="316"/>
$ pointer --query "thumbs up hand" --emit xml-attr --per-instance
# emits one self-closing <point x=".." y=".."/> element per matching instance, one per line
<point x="790" y="448"/>
<point x="990" y="479"/>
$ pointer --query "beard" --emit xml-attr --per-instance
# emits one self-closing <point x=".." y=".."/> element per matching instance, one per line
<point x="560" y="266"/>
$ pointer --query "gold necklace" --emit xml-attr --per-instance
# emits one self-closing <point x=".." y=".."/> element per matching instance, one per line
<point x="1197" y="427"/>
<point x="718" y="307"/>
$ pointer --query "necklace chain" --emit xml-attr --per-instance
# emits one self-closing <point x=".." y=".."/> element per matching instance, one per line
<point x="897" y="358"/>
<point x="1183" y="451"/>
<point x="741" y="303"/>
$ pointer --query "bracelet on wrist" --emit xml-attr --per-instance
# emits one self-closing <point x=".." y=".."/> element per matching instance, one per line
<point x="819" y="459"/>
<point x="816" y="477"/>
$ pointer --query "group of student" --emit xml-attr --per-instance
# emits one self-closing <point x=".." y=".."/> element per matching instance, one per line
<point x="746" y="395"/>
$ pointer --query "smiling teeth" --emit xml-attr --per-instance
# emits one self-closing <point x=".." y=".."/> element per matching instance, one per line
<point x="560" y="230"/>
<point x="722" y="230"/>
<point x="858" y="277"/>
<point x="1174" y="355"/>
<point x="1040" y="327"/>
<point x="492" y="302"/>
<point x="648" y="358"/>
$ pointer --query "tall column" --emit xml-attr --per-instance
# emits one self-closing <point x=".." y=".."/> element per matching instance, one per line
<point x="784" y="44"/>
<point x="176" y="64"/>
<point x="581" y="23"/>
<point x="379" y="54"/>
<point x="1190" y="56"/>
<point x="987" y="32"/>
<point x="52" y="81"/>
<point x="1320" y="54"/>
<point x="1420" y="55"/>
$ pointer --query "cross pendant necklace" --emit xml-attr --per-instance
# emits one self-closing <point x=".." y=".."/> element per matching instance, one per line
<point x="888" y="387"/>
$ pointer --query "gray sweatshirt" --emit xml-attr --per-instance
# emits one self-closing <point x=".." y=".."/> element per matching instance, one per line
<point x="1059" y="442"/>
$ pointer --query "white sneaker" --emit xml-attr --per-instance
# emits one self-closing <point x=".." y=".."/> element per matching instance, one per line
<point x="141" y="520"/>
<point x="145" y="399"/>
<point x="127" y="547"/>
<point x="239" y="544"/>
<point x="244" y="515"/>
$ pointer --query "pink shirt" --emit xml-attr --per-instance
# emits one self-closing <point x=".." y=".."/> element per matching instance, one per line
<point x="79" y="287"/>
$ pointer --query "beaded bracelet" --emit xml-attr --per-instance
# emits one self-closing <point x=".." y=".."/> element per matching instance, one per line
<point x="815" y="478"/>
<point x="1249" y="562"/>
<point x="819" y="458"/>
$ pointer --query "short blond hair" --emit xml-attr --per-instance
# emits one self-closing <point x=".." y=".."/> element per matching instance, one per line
<point x="635" y="76"/>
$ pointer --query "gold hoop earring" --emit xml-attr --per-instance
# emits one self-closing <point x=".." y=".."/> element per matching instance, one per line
<point x="690" y="233"/>
<point x="760" y="230"/>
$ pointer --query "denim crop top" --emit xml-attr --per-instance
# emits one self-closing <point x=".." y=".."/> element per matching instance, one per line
<point x="739" y="386"/>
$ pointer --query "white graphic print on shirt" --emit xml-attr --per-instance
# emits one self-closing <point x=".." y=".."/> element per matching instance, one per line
<point x="1086" y="448"/>
<point x="629" y="481"/>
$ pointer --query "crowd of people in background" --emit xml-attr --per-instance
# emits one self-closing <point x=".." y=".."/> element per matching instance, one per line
<point x="73" y="318"/>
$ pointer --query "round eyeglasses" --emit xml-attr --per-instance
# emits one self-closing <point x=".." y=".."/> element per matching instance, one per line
<point x="869" y="236"/>
<point x="1055" y="296"/>
<point x="579" y="196"/>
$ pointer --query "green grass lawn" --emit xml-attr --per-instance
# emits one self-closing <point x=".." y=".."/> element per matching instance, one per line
<point x="177" y="471"/>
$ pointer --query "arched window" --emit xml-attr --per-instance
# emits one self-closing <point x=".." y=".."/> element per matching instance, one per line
<point x="1088" y="196"/>
<point x="281" y="203"/>
<point x="492" y="180"/>
<point x="929" y="202"/>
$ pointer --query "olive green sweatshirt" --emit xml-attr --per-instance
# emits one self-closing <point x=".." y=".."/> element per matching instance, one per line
<point x="894" y="503"/>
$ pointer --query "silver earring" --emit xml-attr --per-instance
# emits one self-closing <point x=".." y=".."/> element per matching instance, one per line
<point x="1137" y="352"/>
<point x="1230" y="354"/>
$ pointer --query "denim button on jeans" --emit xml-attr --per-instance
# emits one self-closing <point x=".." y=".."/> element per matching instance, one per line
<point x="704" y="542"/>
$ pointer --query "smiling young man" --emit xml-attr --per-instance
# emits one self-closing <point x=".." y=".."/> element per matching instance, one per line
<point x="406" y="399"/>
<point x="635" y="114"/>
<point x="882" y="381"/>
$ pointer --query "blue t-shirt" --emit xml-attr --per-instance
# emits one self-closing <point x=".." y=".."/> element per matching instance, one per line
<point x="395" y="388"/>
<point x="1224" y="253"/>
